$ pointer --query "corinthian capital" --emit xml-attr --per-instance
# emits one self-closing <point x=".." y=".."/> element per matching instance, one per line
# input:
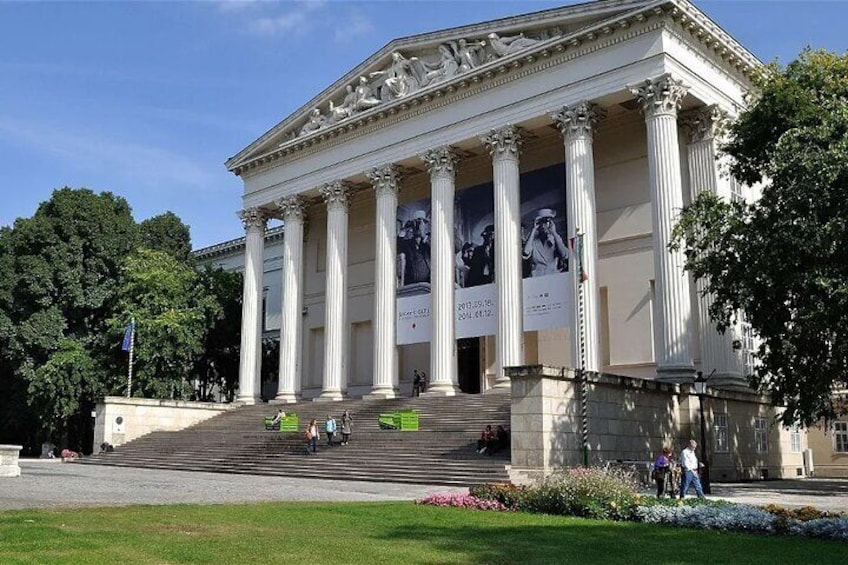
<point x="253" y="218"/>
<point x="441" y="161"/>
<point x="660" y="95"/>
<point x="578" y="121"/>
<point x="291" y="208"/>
<point x="704" y="123"/>
<point x="335" y="194"/>
<point x="504" y="143"/>
<point x="385" y="179"/>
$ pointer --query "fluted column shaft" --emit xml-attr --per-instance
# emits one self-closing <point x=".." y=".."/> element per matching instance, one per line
<point x="385" y="384"/>
<point x="702" y="126"/>
<point x="335" y="316"/>
<point x="577" y="124"/>
<point x="291" y="328"/>
<point x="441" y="163"/>
<point x="250" y="361"/>
<point x="504" y="146"/>
<point x="661" y="98"/>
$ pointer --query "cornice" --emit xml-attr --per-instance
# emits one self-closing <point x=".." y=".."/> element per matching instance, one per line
<point x="228" y="247"/>
<point x="547" y="53"/>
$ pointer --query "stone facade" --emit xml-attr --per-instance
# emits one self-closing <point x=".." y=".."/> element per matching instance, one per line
<point x="633" y="419"/>
<point x="120" y="420"/>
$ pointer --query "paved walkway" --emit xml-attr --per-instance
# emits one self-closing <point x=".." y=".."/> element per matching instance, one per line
<point x="52" y="484"/>
<point x="48" y="483"/>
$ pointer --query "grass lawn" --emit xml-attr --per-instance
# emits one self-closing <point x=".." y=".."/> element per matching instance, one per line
<point x="372" y="533"/>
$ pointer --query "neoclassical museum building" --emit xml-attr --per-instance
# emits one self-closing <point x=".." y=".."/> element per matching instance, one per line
<point x="499" y="195"/>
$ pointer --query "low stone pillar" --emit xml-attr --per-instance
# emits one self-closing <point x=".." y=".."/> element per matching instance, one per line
<point x="9" y="460"/>
<point x="544" y="421"/>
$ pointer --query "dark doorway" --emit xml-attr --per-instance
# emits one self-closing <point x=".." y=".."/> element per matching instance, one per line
<point x="468" y="364"/>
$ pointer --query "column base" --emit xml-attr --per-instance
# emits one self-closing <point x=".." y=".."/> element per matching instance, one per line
<point x="440" y="389"/>
<point x="329" y="396"/>
<point x="382" y="394"/>
<point x="502" y="382"/>
<point x="677" y="375"/>
<point x="249" y="400"/>
<point x="285" y="398"/>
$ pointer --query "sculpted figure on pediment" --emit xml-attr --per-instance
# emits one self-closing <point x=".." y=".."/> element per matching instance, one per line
<point x="469" y="54"/>
<point x="507" y="45"/>
<point x="446" y="67"/>
<point x="364" y="96"/>
<point x="346" y="109"/>
<point x="316" y="121"/>
<point x="400" y="79"/>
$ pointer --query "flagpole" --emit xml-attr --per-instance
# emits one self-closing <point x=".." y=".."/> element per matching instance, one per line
<point x="581" y="339"/>
<point x="130" y="368"/>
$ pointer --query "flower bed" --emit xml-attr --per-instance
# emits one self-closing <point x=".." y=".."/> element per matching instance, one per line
<point x="612" y="495"/>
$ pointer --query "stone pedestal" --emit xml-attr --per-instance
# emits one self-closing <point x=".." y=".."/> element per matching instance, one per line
<point x="9" y="460"/>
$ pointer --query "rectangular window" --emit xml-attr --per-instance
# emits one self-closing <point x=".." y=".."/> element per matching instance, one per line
<point x="265" y="309"/>
<point x="720" y="425"/>
<point x="840" y="437"/>
<point x="795" y="439"/>
<point x="737" y="191"/>
<point x="761" y="435"/>
<point x="747" y="348"/>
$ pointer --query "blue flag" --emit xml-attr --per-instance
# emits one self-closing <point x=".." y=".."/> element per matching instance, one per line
<point x="128" y="336"/>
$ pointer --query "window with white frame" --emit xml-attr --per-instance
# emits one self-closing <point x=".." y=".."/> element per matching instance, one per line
<point x="737" y="191"/>
<point x="840" y="437"/>
<point x="748" y="346"/>
<point x="720" y="432"/>
<point x="761" y="435"/>
<point x="795" y="439"/>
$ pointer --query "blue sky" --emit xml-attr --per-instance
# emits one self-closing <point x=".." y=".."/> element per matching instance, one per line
<point x="148" y="99"/>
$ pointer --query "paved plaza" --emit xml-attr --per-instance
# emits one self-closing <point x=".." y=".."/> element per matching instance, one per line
<point x="52" y="484"/>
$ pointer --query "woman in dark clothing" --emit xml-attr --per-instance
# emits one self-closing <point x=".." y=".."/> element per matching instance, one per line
<point x="662" y="470"/>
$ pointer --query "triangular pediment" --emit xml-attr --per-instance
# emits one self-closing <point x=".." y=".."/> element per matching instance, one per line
<point x="411" y="66"/>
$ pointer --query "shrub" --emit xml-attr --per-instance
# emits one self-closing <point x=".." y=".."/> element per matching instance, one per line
<point x="461" y="501"/>
<point x="826" y="528"/>
<point x="508" y="494"/>
<point x="726" y="517"/>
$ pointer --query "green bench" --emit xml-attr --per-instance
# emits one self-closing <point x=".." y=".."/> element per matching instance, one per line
<point x="403" y="420"/>
<point x="287" y="424"/>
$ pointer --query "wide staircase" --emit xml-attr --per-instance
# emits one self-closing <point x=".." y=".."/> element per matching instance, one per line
<point x="443" y="451"/>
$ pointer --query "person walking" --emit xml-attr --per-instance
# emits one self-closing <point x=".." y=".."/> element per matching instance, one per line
<point x="691" y="466"/>
<point x="347" y="427"/>
<point x="662" y="471"/>
<point x="312" y="436"/>
<point x="330" y="428"/>
<point x="416" y="382"/>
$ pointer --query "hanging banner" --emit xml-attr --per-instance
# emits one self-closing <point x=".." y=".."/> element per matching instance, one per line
<point x="544" y="256"/>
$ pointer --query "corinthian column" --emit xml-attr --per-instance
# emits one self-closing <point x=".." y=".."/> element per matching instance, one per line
<point x="441" y="163"/>
<point x="292" y="300"/>
<point x="250" y="361"/>
<point x="577" y="124"/>
<point x="702" y="125"/>
<point x="661" y="98"/>
<point x="335" y="318"/>
<point x="504" y="146"/>
<point x="385" y="180"/>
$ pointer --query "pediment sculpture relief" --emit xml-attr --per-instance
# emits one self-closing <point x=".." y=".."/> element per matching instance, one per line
<point x="405" y="75"/>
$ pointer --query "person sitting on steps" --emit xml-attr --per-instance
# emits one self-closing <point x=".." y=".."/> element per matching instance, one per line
<point x="485" y="441"/>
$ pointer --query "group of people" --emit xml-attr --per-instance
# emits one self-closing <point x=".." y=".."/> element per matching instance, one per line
<point x="330" y="429"/>
<point x="543" y="252"/>
<point x="689" y="468"/>
<point x="491" y="441"/>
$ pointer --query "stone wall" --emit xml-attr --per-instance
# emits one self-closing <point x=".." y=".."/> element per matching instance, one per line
<point x="827" y="462"/>
<point x="631" y="418"/>
<point x="120" y="420"/>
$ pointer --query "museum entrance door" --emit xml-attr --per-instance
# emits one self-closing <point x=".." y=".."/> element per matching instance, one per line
<point x="468" y="364"/>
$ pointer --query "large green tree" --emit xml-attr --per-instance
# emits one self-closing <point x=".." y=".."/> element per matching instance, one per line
<point x="783" y="260"/>
<point x="173" y="313"/>
<point x="167" y="233"/>
<point x="59" y="272"/>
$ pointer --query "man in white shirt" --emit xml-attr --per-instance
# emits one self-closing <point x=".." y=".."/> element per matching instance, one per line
<point x="690" y="465"/>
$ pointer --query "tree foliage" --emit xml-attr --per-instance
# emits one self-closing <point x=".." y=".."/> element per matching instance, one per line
<point x="783" y="260"/>
<point x="166" y="233"/>
<point x="71" y="277"/>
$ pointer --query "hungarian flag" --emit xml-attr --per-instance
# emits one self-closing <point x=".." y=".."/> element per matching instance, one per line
<point x="576" y="245"/>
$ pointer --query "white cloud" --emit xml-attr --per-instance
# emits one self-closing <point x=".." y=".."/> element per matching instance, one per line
<point x="356" y="25"/>
<point x="293" y="18"/>
<point x="147" y="165"/>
